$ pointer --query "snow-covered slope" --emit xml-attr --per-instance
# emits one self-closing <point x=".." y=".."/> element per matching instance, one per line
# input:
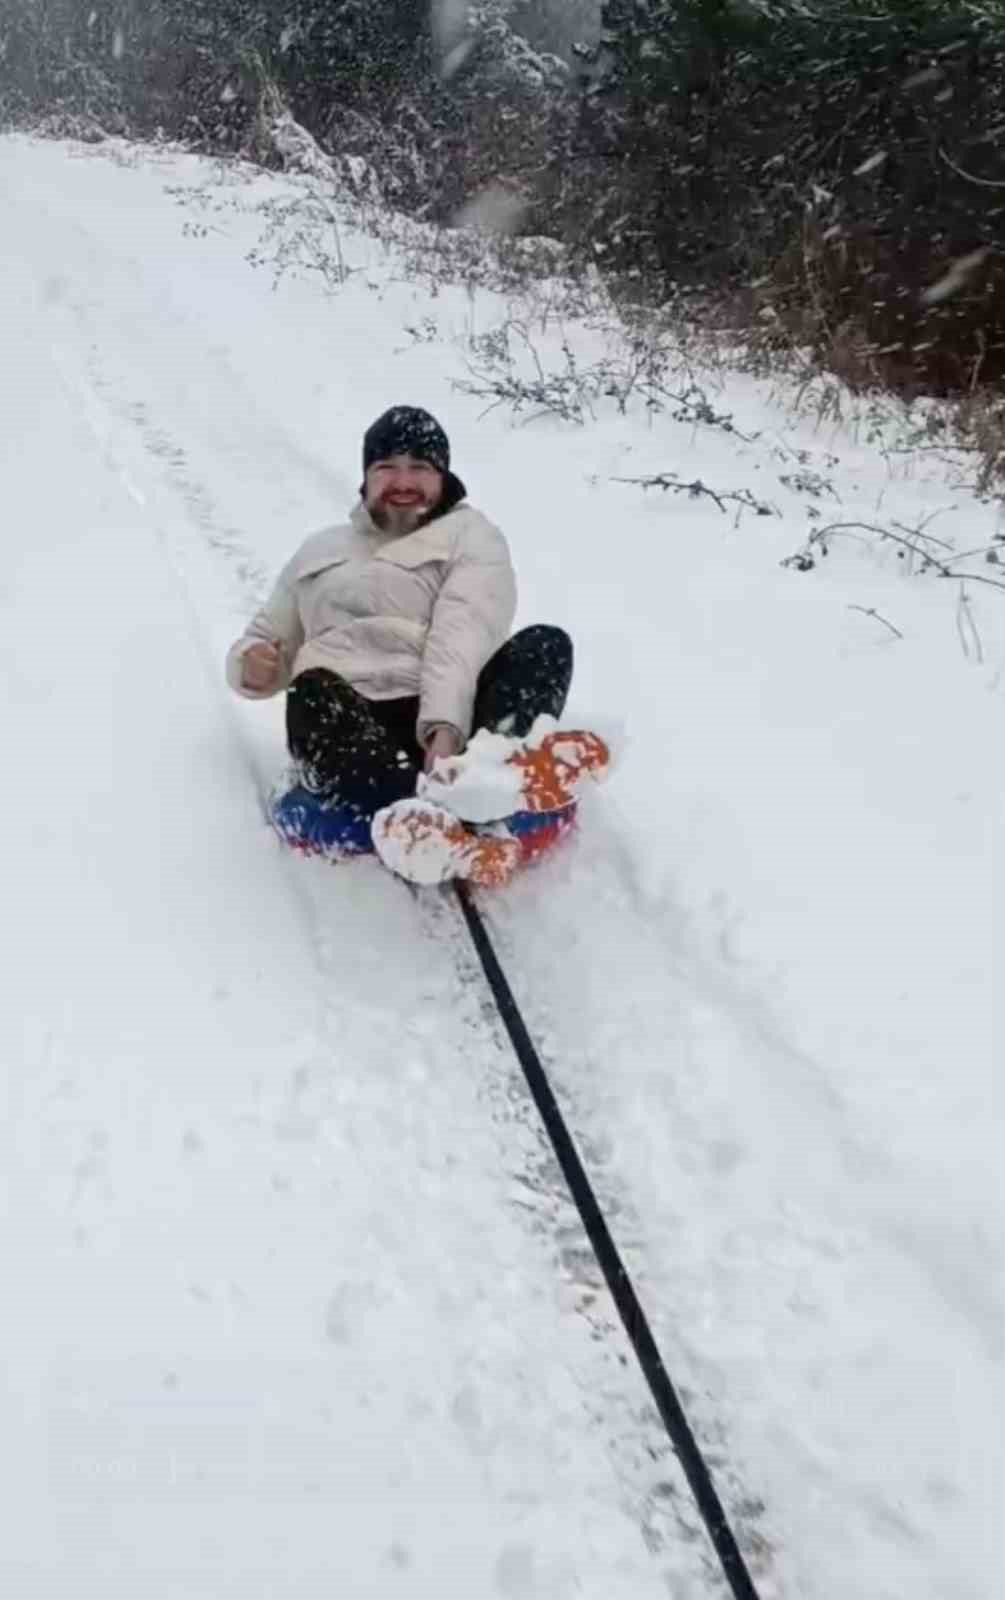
<point x="295" y="1305"/>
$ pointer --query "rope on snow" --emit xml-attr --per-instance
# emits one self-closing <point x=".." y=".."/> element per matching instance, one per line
<point x="640" y="1336"/>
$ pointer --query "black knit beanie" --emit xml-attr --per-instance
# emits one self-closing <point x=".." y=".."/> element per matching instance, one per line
<point x="410" y="431"/>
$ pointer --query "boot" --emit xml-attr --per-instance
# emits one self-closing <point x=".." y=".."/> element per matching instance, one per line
<point x="427" y="845"/>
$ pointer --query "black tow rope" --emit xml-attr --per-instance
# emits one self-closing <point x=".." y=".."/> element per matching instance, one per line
<point x="668" y="1405"/>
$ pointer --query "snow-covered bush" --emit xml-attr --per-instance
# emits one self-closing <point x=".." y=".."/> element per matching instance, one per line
<point x="828" y="175"/>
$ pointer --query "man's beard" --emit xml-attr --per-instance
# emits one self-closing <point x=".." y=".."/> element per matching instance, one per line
<point x="400" y="520"/>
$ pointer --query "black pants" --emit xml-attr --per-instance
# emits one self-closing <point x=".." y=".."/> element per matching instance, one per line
<point x="364" y="753"/>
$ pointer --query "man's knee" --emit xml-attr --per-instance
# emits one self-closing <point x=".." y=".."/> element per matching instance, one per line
<point x="541" y="638"/>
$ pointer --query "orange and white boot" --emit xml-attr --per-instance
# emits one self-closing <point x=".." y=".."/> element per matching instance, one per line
<point x="426" y="845"/>
<point x="552" y="772"/>
<point x="497" y="777"/>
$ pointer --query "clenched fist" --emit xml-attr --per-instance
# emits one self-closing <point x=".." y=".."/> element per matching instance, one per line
<point x="260" y="666"/>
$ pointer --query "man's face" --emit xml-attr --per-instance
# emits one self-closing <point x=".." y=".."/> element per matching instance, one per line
<point x="401" y="492"/>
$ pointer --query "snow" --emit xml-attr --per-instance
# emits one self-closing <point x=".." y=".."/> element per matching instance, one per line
<point x="482" y="784"/>
<point x="295" y="1304"/>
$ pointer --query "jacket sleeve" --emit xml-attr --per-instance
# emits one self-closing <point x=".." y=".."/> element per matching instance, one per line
<point x="278" y="622"/>
<point x="472" y="617"/>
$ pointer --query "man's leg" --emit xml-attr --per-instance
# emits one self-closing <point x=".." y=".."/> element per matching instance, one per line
<point x="529" y="677"/>
<point x="347" y="752"/>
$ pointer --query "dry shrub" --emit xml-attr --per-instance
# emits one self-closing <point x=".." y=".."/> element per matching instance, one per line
<point x="914" y="317"/>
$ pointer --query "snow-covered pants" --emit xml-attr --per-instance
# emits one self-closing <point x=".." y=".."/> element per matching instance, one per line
<point x="364" y="754"/>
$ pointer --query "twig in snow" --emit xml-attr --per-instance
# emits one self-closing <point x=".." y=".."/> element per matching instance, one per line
<point x="694" y="407"/>
<point x="918" y="531"/>
<point x="870" y="611"/>
<point x="967" y="629"/>
<point x="990" y="552"/>
<point x="913" y="540"/>
<point x="695" y="489"/>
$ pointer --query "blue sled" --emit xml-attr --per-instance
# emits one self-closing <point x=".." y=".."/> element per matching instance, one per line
<point x="307" y="824"/>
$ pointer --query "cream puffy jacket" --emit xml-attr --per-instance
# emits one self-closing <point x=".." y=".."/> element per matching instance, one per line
<point x="418" y="615"/>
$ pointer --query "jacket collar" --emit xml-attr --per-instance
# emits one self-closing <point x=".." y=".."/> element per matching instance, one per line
<point x="331" y="546"/>
<point x="430" y="541"/>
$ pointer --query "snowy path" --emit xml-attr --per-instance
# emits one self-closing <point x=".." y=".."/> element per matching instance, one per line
<point x="278" y="1323"/>
<point x="296" y="1305"/>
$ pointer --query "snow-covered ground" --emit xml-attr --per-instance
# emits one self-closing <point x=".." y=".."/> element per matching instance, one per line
<point x="294" y="1305"/>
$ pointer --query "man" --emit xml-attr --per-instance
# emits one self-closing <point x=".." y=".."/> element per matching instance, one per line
<point x="389" y="633"/>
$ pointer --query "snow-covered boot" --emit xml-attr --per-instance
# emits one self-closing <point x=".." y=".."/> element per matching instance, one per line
<point x="552" y="772"/>
<point x="427" y="845"/>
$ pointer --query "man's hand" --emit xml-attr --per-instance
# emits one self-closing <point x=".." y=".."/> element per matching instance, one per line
<point x="441" y="745"/>
<point x="260" y="666"/>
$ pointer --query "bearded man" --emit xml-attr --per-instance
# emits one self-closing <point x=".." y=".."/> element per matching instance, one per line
<point x="390" y="633"/>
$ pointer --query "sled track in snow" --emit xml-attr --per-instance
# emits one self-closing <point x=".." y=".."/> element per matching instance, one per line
<point x="159" y="445"/>
<point x="616" y="1276"/>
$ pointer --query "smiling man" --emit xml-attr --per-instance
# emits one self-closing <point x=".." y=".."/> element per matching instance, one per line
<point x="389" y="632"/>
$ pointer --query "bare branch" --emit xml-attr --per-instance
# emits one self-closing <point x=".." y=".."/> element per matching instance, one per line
<point x="695" y="489"/>
<point x="967" y="629"/>
<point x="870" y="611"/>
<point x="916" y="541"/>
<point x="980" y="550"/>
